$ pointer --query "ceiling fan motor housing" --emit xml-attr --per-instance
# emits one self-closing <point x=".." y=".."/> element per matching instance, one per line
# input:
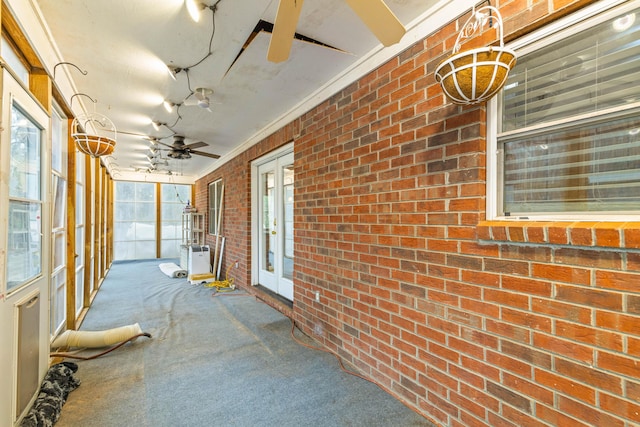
<point x="179" y="154"/>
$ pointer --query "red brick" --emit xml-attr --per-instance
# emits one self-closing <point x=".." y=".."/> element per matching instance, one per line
<point x="620" y="407"/>
<point x="589" y="375"/>
<point x="559" y="273"/>
<point x="618" y="363"/>
<point x="589" y="414"/>
<point x="566" y="386"/>
<point x="564" y="347"/>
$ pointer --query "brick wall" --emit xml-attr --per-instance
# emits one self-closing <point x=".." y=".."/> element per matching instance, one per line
<point x="470" y="322"/>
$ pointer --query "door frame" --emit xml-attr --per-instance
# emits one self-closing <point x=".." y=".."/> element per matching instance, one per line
<point x="255" y="206"/>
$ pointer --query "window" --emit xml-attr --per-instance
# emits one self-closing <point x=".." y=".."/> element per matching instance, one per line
<point x="58" y="283"/>
<point x="215" y="201"/>
<point x="134" y="220"/>
<point x="14" y="60"/>
<point x="174" y="199"/>
<point x="24" y="254"/>
<point x="567" y="123"/>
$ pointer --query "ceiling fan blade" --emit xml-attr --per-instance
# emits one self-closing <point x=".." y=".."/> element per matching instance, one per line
<point x="202" y="153"/>
<point x="198" y="144"/>
<point x="283" y="30"/>
<point x="380" y="19"/>
<point x="162" y="143"/>
<point x="141" y="135"/>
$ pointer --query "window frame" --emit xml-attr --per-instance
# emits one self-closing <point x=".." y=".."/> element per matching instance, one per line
<point x="554" y="32"/>
<point x="214" y="205"/>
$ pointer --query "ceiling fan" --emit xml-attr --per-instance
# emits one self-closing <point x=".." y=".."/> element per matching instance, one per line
<point x="179" y="150"/>
<point x="374" y="13"/>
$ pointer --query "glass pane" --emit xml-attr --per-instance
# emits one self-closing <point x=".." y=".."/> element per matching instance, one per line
<point x="215" y="196"/>
<point x="14" y="61"/>
<point x="79" y="204"/>
<point x="171" y="231"/>
<point x="171" y="212"/>
<point x="145" y="211"/>
<point x="145" y="230"/>
<point x="79" y="246"/>
<point x="59" y="250"/>
<point x="80" y="167"/>
<point x="125" y="211"/>
<point x="590" y="71"/>
<point x="125" y="231"/>
<point x="58" y="300"/>
<point x="59" y="202"/>
<point x="212" y="208"/>
<point x="287" y="190"/>
<point x="268" y="218"/>
<point x="145" y="192"/>
<point x="125" y="191"/>
<point x="124" y="250"/>
<point x="170" y="248"/>
<point x="79" y="289"/>
<point x="58" y="140"/>
<point x="172" y="193"/>
<point x="145" y="249"/>
<point x="594" y="168"/>
<point x="24" y="244"/>
<point x="24" y="177"/>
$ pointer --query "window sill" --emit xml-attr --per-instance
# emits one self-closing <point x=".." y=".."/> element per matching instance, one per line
<point x="581" y="233"/>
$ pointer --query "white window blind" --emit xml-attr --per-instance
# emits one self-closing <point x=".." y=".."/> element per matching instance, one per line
<point x="569" y="129"/>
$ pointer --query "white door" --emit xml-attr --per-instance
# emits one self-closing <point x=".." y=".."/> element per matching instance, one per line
<point x="24" y="249"/>
<point x="275" y="225"/>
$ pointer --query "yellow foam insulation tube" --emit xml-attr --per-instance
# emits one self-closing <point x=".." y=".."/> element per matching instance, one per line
<point x="96" y="339"/>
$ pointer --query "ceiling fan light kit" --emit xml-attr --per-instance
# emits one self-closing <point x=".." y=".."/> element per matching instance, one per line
<point x="476" y="75"/>
<point x="101" y="143"/>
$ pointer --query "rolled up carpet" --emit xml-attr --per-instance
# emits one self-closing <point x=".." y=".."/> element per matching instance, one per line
<point x="96" y="339"/>
<point x="173" y="270"/>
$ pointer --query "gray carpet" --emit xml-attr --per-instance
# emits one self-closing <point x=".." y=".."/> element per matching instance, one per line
<point x="227" y="360"/>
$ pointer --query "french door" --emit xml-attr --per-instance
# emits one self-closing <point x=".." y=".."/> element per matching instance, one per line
<point x="274" y="228"/>
<point x="24" y="247"/>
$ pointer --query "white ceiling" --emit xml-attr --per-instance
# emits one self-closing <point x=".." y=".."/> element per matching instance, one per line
<point x="123" y="45"/>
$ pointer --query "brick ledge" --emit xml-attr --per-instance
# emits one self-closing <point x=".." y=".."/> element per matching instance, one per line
<point x="580" y="233"/>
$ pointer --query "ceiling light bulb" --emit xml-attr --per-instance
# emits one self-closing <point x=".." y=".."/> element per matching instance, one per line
<point x="173" y="71"/>
<point x="156" y="125"/>
<point x="624" y="22"/>
<point x="194" y="7"/>
<point x="168" y="105"/>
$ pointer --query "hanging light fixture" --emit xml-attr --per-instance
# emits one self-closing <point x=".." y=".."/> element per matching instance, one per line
<point x="168" y="105"/>
<point x="173" y="71"/>
<point x="195" y="8"/>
